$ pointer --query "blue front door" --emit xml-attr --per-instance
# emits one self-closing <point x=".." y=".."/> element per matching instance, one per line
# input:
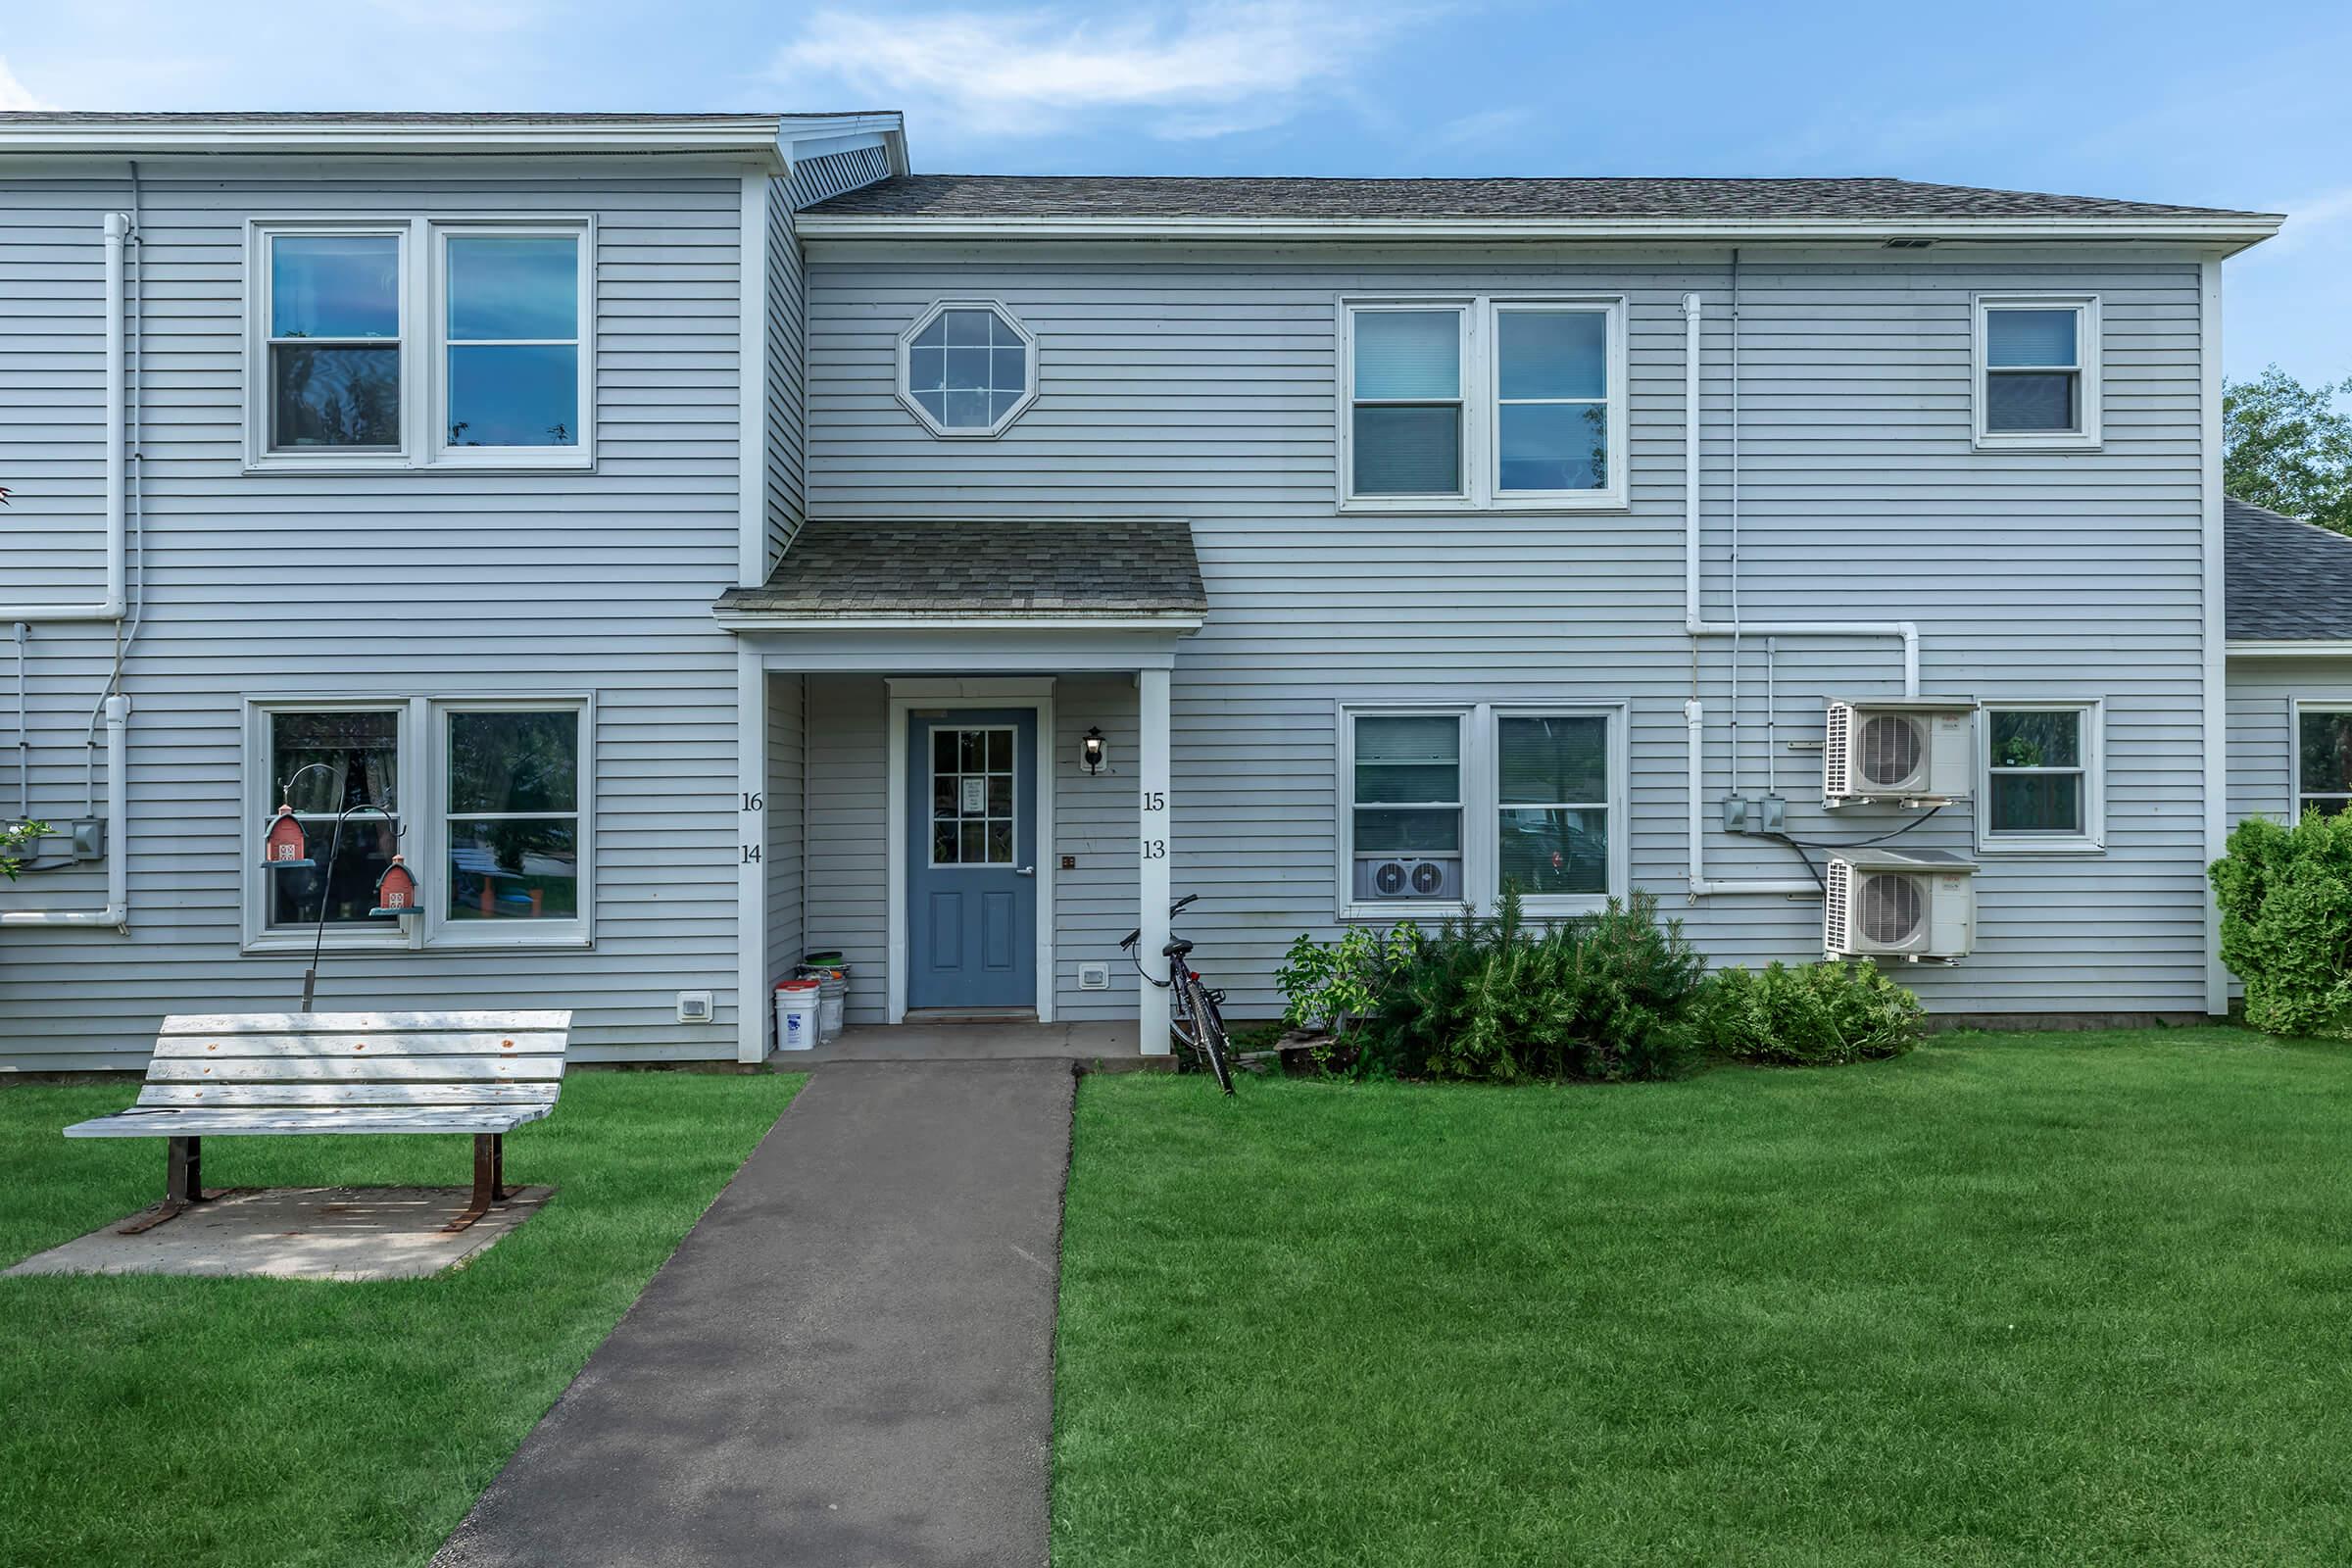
<point x="971" y="860"/>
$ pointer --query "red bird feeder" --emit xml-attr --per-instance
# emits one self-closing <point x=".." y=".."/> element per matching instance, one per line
<point x="285" y="849"/>
<point x="396" y="889"/>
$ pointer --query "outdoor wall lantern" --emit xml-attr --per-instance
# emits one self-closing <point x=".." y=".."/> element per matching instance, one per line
<point x="1090" y="750"/>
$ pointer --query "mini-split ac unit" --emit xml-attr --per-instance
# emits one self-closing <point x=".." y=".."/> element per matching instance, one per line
<point x="1910" y="752"/>
<point x="1917" y="903"/>
<point x="1380" y="878"/>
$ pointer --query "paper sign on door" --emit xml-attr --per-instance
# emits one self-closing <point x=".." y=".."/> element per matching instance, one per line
<point x="975" y="797"/>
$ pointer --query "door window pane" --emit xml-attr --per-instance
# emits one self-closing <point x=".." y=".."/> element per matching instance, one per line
<point x="345" y="759"/>
<point x="514" y="781"/>
<point x="972" y="796"/>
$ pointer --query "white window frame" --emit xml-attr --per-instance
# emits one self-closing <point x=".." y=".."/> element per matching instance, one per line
<point x="2297" y="708"/>
<point x="904" y="376"/>
<point x="583" y="455"/>
<point x="2088" y="352"/>
<point x="423" y="348"/>
<point x="2092" y="840"/>
<point x="259" y="383"/>
<point x="1482" y="791"/>
<point x="258" y="801"/>
<point x="442" y="931"/>
<point x="423" y="811"/>
<point x="932" y="863"/>
<point x="1480" y="383"/>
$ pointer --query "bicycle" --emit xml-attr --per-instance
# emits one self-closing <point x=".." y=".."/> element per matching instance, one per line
<point x="1191" y="1005"/>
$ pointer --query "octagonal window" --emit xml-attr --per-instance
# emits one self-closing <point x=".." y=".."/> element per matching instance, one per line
<point x="966" y="368"/>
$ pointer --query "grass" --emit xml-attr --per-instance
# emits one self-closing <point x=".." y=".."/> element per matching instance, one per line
<point x="192" y="1421"/>
<point x="2012" y="1300"/>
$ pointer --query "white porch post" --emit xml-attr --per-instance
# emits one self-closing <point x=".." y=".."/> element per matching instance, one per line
<point x="751" y="857"/>
<point x="1157" y="849"/>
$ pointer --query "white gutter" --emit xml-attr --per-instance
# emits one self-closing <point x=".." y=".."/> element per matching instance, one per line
<point x="116" y="912"/>
<point x="111" y="607"/>
<point x="1695" y="623"/>
<point x="2231" y="229"/>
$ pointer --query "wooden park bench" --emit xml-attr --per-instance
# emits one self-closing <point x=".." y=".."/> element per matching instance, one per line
<point x="277" y="1074"/>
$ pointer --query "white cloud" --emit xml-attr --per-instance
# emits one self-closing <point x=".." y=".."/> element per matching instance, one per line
<point x="1205" y="70"/>
<point x="14" y="94"/>
<point x="2311" y="218"/>
<point x="1488" y="124"/>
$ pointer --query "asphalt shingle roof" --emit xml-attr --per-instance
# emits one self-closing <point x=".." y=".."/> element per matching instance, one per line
<point x="1079" y="569"/>
<point x="1115" y="196"/>
<point x="2283" y="579"/>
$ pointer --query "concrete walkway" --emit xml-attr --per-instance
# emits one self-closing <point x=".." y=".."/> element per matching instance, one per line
<point x="848" y="1362"/>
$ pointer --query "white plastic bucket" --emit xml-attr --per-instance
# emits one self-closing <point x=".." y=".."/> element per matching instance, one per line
<point x="796" y="1015"/>
<point x="828" y="1013"/>
<point x="832" y="991"/>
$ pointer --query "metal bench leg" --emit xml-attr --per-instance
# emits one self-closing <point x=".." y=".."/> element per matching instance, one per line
<point x="183" y="1186"/>
<point x="489" y="1179"/>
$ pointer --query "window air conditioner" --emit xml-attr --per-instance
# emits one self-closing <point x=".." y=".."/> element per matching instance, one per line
<point x="1916" y="905"/>
<point x="1906" y="751"/>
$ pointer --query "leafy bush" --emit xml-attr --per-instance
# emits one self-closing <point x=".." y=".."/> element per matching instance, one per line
<point x="1601" y="996"/>
<point x="2286" y="895"/>
<point x="1810" y="1014"/>
<point x="16" y="835"/>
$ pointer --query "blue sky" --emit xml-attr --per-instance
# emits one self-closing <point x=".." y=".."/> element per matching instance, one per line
<point x="2242" y="105"/>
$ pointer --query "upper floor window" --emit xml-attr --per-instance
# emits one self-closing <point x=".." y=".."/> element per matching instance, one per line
<point x="362" y="358"/>
<point x="967" y="368"/>
<point x="512" y="339"/>
<point x="2036" y="370"/>
<point x="1483" y="402"/>
<point x="332" y="302"/>
<point x="2322" y="760"/>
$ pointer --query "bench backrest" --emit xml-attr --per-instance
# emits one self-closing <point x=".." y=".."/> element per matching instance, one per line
<point x="240" y="1060"/>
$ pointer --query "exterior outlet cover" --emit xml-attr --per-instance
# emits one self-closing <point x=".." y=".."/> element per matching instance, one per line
<point x="1734" y="814"/>
<point x="1094" y="978"/>
<point x="1772" y="812"/>
<point x="89" y="838"/>
<point x="694" y="1006"/>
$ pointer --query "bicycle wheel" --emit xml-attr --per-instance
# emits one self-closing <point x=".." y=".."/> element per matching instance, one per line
<point x="1208" y="1031"/>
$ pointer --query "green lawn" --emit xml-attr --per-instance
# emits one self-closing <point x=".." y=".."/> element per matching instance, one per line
<point x="2009" y="1301"/>
<point x="248" y="1422"/>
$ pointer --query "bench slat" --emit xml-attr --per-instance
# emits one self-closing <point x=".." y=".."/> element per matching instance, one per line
<point x="212" y="1092"/>
<point x="296" y="1023"/>
<point x="321" y="1122"/>
<point x="359" y="1069"/>
<point x="455" y="1043"/>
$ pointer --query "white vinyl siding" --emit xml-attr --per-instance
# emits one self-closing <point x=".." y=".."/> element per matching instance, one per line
<point x="1207" y="385"/>
<point x="294" y="585"/>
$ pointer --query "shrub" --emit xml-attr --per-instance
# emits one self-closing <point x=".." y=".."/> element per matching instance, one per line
<point x="1601" y="996"/>
<point x="2286" y="895"/>
<point x="1810" y="1014"/>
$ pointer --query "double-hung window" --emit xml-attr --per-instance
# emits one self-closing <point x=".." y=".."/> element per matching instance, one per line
<point x="2043" y="787"/>
<point x="489" y="805"/>
<point x="1446" y="807"/>
<point x="332" y="308"/>
<point x="2036" y="371"/>
<point x="2322" y="759"/>
<point x="1483" y="402"/>
<point x="364" y="356"/>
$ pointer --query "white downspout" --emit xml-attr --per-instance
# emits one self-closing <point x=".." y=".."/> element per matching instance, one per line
<point x="1693" y="622"/>
<point x="116" y="707"/>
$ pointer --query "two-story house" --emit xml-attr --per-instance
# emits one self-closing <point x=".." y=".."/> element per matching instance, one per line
<point x="714" y="542"/>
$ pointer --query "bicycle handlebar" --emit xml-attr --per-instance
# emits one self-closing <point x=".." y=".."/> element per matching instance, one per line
<point x="1137" y="935"/>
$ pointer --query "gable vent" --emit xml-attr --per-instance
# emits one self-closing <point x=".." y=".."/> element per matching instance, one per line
<point x="815" y="179"/>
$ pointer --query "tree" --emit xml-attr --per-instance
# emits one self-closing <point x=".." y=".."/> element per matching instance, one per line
<point x="2289" y="447"/>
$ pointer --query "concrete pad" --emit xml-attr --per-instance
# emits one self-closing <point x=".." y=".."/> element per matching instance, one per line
<point x="300" y="1233"/>
<point x="847" y="1363"/>
<point x="1099" y="1046"/>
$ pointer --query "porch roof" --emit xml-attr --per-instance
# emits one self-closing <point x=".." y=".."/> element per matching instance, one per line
<point x="1066" y="570"/>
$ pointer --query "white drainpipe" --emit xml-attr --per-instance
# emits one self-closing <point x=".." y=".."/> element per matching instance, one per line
<point x="1694" y="712"/>
<point x="117" y="708"/>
